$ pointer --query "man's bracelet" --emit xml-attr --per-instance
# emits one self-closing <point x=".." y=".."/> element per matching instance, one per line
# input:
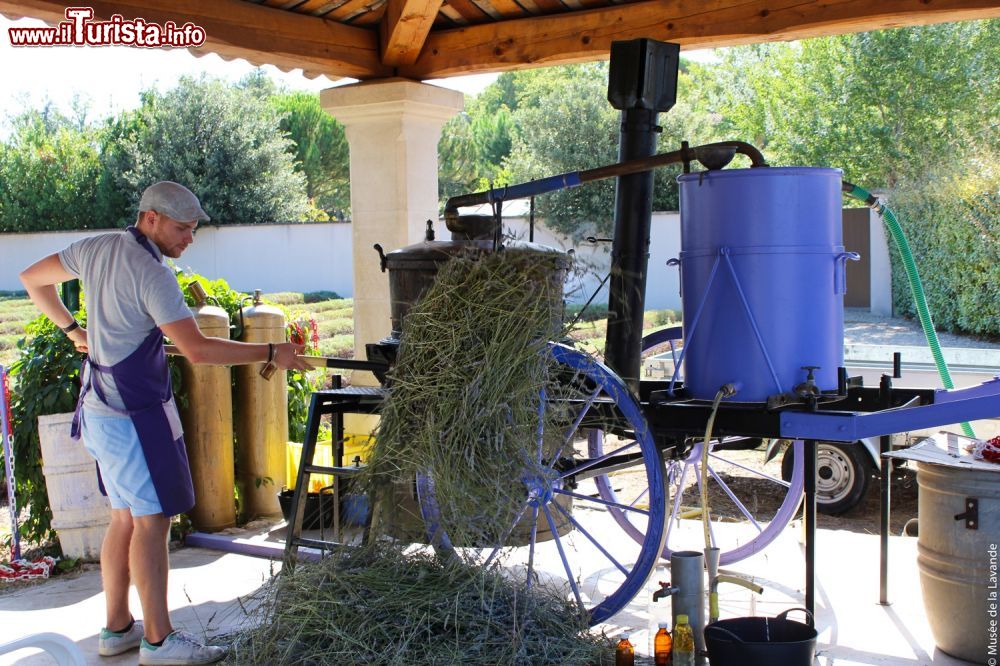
<point x="270" y="352"/>
<point x="70" y="327"/>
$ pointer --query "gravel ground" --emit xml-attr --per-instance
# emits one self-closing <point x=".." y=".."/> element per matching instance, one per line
<point x="863" y="327"/>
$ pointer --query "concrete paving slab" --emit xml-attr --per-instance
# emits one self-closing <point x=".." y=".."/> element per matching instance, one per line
<point x="204" y="587"/>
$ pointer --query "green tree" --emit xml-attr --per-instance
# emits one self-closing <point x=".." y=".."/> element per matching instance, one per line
<point x="910" y="111"/>
<point x="881" y="105"/>
<point x="48" y="174"/>
<point x="473" y="147"/>
<point x="320" y="149"/>
<point x="115" y="196"/>
<point x="460" y="167"/>
<point x="221" y="142"/>
<point x="563" y="122"/>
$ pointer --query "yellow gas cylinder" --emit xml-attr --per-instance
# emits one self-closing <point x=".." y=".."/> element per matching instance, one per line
<point x="262" y="417"/>
<point x="208" y="425"/>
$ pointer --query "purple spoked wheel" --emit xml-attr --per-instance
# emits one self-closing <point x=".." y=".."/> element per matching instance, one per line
<point x="584" y="552"/>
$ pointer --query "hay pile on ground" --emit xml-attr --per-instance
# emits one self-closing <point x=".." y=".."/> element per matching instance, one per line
<point x="465" y="393"/>
<point x="379" y="605"/>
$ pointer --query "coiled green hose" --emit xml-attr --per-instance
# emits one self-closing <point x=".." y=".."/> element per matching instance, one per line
<point x="916" y="287"/>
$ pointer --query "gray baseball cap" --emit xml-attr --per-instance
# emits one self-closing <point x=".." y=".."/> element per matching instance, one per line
<point x="173" y="200"/>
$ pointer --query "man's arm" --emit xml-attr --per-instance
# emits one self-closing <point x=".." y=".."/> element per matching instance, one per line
<point x="197" y="348"/>
<point x="40" y="280"/>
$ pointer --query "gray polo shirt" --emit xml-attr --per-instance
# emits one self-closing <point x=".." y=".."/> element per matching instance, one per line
<point x="128" y="293"/>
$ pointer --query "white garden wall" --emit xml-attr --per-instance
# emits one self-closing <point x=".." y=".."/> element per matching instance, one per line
<point x="317" y="257"/>
<point x="271" y="257"/>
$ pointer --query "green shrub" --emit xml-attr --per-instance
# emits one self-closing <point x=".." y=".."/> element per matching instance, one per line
<point x="317" y="296"/>
<point x="594" y="312"/>
<point x="952" y="224"/>
<point x="662" y="317"/>
<point x="46" y="378"/>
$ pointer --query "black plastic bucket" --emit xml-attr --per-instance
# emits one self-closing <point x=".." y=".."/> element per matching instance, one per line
<point x="761" y="641"/>
<point x="318" y="512"/>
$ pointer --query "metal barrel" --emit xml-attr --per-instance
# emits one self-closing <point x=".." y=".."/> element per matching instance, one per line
<point x="959" y="509"/>
<point x="762" y="279"/>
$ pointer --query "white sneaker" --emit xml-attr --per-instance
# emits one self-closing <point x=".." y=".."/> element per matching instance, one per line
<point x="179" y="649"/>
<point x="114" y="642"/>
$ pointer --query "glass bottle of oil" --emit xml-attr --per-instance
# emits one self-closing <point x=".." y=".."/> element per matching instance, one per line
<point x="662" y="644"/>
<point x="683" y="649"/>
<point x="624" y="652"/>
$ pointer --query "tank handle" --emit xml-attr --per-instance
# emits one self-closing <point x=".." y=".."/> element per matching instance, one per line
<point x="383" y="262"/>
<point x="840" y="270"/>
<point x="671" y="263"/>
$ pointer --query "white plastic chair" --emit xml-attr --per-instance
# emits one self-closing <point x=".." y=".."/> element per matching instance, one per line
<point x="62" y="649"/>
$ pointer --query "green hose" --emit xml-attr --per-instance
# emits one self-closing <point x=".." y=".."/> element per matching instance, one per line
<point x="916" y="287"/>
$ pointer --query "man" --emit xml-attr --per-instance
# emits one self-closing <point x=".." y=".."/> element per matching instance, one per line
<point x="126" y="412"/>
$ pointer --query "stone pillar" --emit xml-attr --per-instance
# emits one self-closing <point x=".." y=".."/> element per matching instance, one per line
<point x="393" y="127"/>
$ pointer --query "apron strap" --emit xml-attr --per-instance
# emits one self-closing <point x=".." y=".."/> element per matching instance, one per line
<point x="143" y="241"/>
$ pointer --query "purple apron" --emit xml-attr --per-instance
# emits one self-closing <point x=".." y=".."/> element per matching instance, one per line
<point x="143" y="381"/>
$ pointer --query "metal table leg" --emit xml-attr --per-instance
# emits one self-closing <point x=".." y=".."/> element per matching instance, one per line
<point x="809" y="450"/>
<point x="885" y="486"/>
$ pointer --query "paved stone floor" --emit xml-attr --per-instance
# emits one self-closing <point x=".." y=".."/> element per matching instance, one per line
<point x="853" y="627"/>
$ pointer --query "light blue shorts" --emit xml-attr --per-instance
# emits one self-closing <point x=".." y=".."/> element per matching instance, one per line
<point x="114" y="443"/>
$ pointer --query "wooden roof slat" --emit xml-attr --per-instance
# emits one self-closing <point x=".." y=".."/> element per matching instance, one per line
<point x="452" y="15"/>
<point x="508" y="8"/>
<point x="370" y="17"/>
<point x="469" y="11"/>
<point x="487" y="8"/>
<point x="369" y="8"/>
<point x="587" y="35"/>
<point x="529" y="6"/>
<point x="346" y="10"/>
<point x="404" y="29"/>
<point x="550" y="6"/>
<point x="318" y="7"/>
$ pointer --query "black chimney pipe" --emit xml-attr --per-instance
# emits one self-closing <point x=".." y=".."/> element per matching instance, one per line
<point x="642" y="81"/>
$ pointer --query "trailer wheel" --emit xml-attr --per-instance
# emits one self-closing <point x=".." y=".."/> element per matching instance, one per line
<point x="843" y="474"/>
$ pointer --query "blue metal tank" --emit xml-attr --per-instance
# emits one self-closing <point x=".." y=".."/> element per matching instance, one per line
<point x="762" y="280"/>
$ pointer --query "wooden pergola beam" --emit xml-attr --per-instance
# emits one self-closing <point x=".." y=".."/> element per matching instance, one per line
<point x="404" y="29"/>
<point x="234" y="29"/>
<point x="587" y="35"/>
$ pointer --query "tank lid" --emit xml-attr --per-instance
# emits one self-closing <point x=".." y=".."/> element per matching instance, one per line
<point x="209" y="311"/>
<point x="440" y="251"/>
<point x="769" y="172"/>
<point x="471" y="227"/>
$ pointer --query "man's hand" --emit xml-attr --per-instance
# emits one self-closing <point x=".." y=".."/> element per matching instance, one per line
<point x="287" y="356"/>
<point x="40" y="280"/>
<point x="79" y="337"/>
<point x="199" y="349"/>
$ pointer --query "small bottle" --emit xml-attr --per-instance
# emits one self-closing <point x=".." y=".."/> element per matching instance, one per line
<point x="661" y="646"/>
<point x="624" y="652"/>
<point x="683" y="649"/>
